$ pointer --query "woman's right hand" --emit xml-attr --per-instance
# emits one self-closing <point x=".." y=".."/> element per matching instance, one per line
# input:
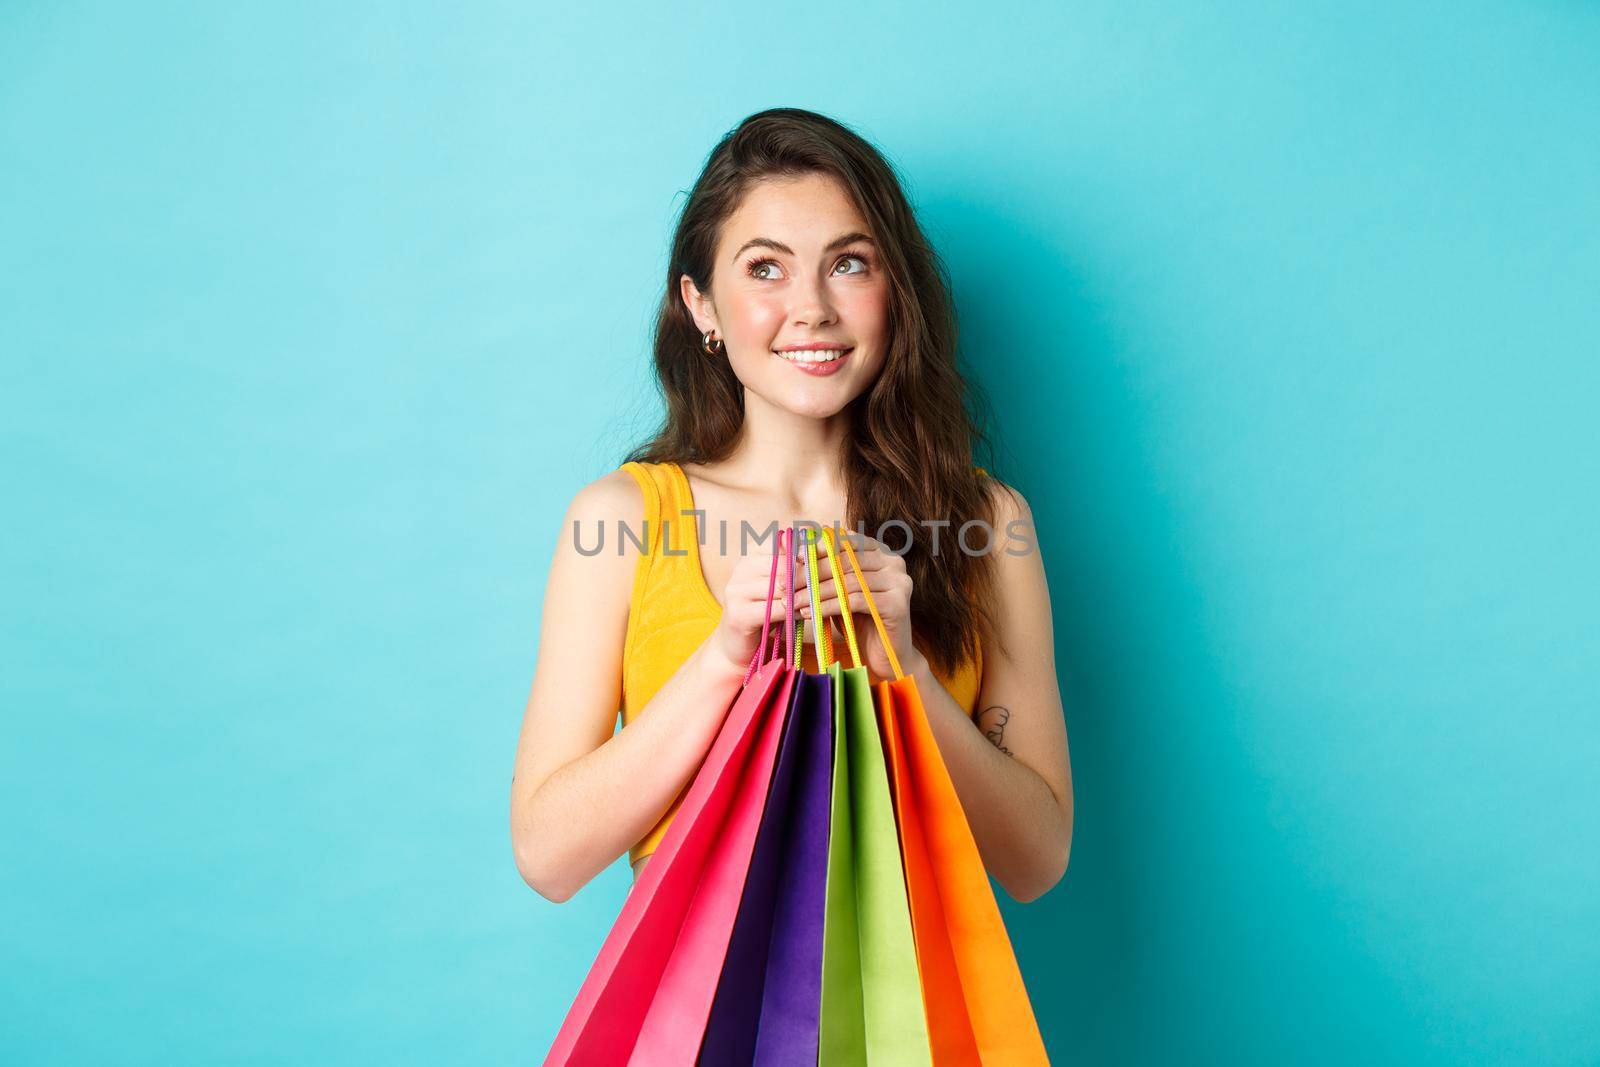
<point x="744" y="607"/>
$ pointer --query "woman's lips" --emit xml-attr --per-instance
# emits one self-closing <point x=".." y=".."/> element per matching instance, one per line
<point x="818" y="370"/>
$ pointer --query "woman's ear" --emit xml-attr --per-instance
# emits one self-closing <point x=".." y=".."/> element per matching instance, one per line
<point x="699" y="304"/>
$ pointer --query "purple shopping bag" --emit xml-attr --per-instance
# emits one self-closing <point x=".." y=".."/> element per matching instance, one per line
<point x="770" y="993"/>
<point x="768" y="1000"/>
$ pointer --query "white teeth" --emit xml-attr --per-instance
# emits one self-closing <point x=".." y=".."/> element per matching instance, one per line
<point x="820" y="355"/>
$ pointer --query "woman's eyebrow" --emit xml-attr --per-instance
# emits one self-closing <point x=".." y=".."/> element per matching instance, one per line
<point x="779" y="246"/>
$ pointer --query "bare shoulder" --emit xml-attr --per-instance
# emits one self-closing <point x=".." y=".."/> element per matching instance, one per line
<point x="1007" y="500"/>
<point x="614" y="496"/>
<point x="1023" y="624"/>
<point x="591" y="548"/>
<point x="1013" y="519"/>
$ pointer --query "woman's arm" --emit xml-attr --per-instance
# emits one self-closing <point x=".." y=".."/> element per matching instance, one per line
<point x="581" y="794"/>
<point x="1009" y="763"/>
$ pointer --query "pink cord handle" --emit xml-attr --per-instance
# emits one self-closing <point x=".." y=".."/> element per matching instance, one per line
<point x="788" y="602"/>
<point x="766" y="620"/>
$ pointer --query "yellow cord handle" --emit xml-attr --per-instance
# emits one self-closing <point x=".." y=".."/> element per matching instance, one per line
<point x="838" y="585"/>
<point x="824" y="646"/>
<point x="877" y="620"/>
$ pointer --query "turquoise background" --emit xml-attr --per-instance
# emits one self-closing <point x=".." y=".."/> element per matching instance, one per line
<point x="313" y="321"/>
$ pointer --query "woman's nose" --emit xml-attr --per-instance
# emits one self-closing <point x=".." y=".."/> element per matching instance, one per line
<point x="812" y="306"/>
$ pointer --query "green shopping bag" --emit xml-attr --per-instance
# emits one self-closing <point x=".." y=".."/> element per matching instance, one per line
<point x="872" y="1010"/>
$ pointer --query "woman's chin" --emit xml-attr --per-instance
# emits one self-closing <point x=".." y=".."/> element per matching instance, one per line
<point x="815" y="404"/>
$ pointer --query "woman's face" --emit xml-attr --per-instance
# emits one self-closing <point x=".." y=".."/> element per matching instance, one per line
<point x="796" y="267"/>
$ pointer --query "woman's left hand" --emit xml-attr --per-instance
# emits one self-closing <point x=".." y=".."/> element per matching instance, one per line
<point x="890" y="586"/>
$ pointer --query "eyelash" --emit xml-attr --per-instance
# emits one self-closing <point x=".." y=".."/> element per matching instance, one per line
<point x="750" y="267"/>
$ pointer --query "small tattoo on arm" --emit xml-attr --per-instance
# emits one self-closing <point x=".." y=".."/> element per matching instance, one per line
<point x="992" y="721"/>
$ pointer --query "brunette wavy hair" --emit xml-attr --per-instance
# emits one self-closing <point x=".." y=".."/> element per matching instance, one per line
<point x="913" y="435"/>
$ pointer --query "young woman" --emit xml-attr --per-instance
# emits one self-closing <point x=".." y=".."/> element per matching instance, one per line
<point x="806" y="349"/>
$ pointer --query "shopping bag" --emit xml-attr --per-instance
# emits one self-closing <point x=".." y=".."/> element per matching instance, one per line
<point x="647" y="996"/>
<point x="872" y="1009"/>
<point x="978" y="1010"/>
<point x="768" y="998"/>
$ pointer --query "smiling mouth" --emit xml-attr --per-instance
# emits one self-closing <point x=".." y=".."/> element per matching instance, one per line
<point x="817" y="355"/>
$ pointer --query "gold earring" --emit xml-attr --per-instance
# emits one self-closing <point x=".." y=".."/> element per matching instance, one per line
<point x="712" y="347"/>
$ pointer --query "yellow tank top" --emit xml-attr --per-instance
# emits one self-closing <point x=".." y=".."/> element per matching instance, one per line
<point x="673" y="610"/>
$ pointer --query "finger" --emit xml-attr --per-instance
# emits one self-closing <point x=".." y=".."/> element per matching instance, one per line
<point x="823" y="570"/>
<point x="875" y="557"/>
<point x="884" y="598"/>
<point x="884" y="577"/>
<point x="827" y="587"/>
<point x="877" y="581"/>
<point x="802" y="570"/>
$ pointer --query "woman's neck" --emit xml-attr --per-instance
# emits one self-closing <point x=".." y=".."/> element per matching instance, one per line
<point x="796" y="457"/>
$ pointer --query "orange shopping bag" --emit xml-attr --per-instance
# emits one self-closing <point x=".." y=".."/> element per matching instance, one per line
<point x="977" y="1005"/>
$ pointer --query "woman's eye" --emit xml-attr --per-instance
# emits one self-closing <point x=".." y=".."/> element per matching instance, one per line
<point x="859" y="259"/>
<point x="758" y="266"/>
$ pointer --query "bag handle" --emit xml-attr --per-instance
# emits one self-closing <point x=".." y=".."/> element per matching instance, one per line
<point x="796" y="633"/>
<point x="790" y="640"/>
<point x="780" y="639"/>
<point x="837" y="572"/>
<point x="766" y="621"/>
<point x="877" y="620"/>
<point x="824" y="644"/>
<point x="786" y="639"/>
